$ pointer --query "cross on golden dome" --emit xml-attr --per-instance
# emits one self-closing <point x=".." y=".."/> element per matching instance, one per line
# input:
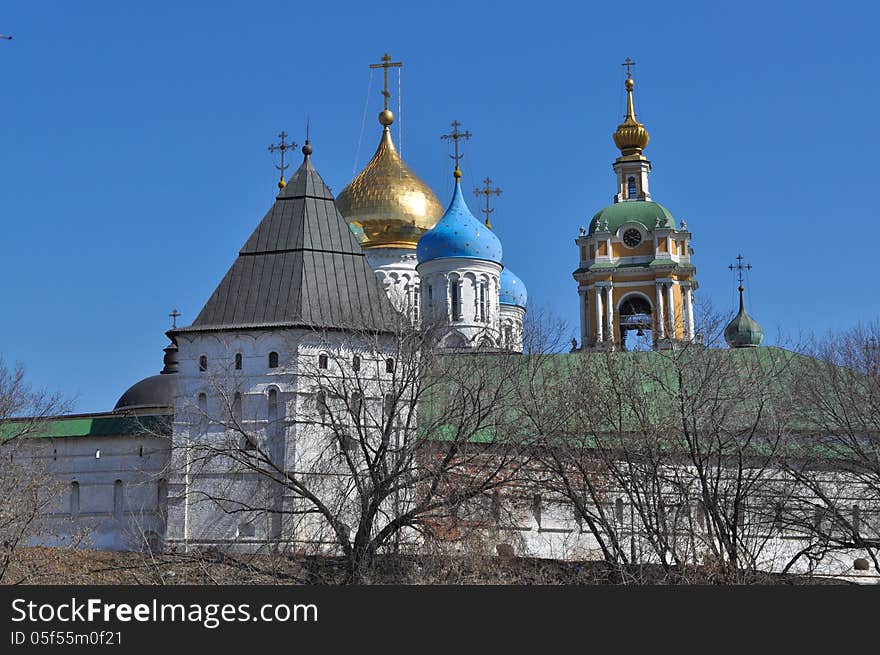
<point x="487" y="191"/>
<point x="629" y="63"/>
<point x="455" y="135"/>
<point x="386" y="117"/>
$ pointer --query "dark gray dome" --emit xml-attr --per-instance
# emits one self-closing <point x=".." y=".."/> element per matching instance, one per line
<point x="154" y="391"/>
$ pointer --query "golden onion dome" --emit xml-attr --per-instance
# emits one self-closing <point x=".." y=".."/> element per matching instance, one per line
<point x="386" y="203"/>
<point x="631" y="136"/>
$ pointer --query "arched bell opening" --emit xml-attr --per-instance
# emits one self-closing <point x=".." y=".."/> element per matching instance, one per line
<point x="635" y="321"/>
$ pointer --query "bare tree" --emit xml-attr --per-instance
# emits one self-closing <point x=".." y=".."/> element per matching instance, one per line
<point x="28" y="489"/>
<point x="836" y="394"/>
<point x="380" y="443"/>
<point x="671" y="457"/>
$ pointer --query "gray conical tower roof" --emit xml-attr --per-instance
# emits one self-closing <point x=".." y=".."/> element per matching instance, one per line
<point x="743" y="331"/>
<point x="301" y="267"/>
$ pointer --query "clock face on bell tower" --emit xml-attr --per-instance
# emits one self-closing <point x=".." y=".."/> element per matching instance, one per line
<point x="632" y="237"/>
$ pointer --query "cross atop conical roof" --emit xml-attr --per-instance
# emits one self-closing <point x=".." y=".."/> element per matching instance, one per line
<point x="301" y="267"/>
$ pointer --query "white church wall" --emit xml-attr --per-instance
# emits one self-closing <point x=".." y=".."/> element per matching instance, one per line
<point x="111" y="489"/>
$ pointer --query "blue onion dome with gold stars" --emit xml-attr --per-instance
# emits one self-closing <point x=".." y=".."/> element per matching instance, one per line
<point x="743" y="331"/>
<point x="459" y="234"/>
<point x="513" y="291"/>
<point x="650" y="214"/>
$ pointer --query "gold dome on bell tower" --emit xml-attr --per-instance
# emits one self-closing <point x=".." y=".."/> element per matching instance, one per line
<point x="387" y="203"/>
<point x="631" y="136"/>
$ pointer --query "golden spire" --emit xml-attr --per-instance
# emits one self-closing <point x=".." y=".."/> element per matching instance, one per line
<point x="387" y="204"/>
<point x="386" y="116"/>
<point x="631" y="136"/>
<point x="487" y="191"/>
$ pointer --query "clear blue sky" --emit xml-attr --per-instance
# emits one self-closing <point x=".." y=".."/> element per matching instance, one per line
<point x="134" y="149"/>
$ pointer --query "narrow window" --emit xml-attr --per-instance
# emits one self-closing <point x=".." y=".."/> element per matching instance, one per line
<point x="356" y="363"/>
<point x="275" y="422"/>
<point x="203" y="363"/>
<point x="203" y="414"/>
<point x="117" y="498"/>
<point x="389" y="365"/>
<point x="631" y="191"/>
<point x="357" y="404"/>
<point x="484" y="309"/>
<point x="273" y="360"/>
<point x="388" y="405"/>
<point x="856" y="519"/>
<point x="162" y="495"/>
<point x="74" y="498"/>
<point x="321" y="402"/>
<point x="618" y="510"/>
<point x="508" y="334"/>
<point x="141" y="451"/>
<point x="322" y="360"/>
<point x="236" y="409"/>
<point x="536" y="509"/>
<point x="818" y="517"/>
<point x="456" y="301"/>
<point x="237" y="361"/>
<point x="416" y="302"/>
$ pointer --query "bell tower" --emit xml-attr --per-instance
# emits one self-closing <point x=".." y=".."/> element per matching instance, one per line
<point x="635" y="278"/>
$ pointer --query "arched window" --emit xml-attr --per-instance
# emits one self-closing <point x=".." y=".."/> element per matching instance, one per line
<point x="356" y="363"/>
<point x="203" y="363"/>
<point x="484" y="302"/>
<point x="237" y="361"/>
<point x="456" y="300"/>
<point x="273" y="359"/>
<point x="118" y="498"/>
<point x="618" y="510"/>
<point x="389" y="365"/>
<point x="74" y="498"/>
<point x="322" y="360"/>
<point x="508" y="334"/>
<point x="631" y="189"/>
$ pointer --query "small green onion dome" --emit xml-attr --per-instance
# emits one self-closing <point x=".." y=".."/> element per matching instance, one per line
<point x="743" y="331"/>
<point x="641" y="211"/>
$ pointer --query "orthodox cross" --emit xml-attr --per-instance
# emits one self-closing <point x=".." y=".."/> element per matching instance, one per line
<point x="487" y="191"/>
<point x="174" y="315"/>
<point x="739" y="267"/>
<point x="386" y="64"/>
<point x="629" y="63"/>
<point x="455" y="135"/>
<point x="282" y="147"/>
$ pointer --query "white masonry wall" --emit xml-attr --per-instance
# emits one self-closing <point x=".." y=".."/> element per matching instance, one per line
<point x="111" y="490"/>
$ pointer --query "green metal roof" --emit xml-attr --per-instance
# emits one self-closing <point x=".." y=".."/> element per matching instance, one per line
<point x="100" y="425"/>
<point x="640" y="211"/>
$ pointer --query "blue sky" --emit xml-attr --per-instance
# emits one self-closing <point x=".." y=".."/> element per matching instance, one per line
<point x="134" y="149"/>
